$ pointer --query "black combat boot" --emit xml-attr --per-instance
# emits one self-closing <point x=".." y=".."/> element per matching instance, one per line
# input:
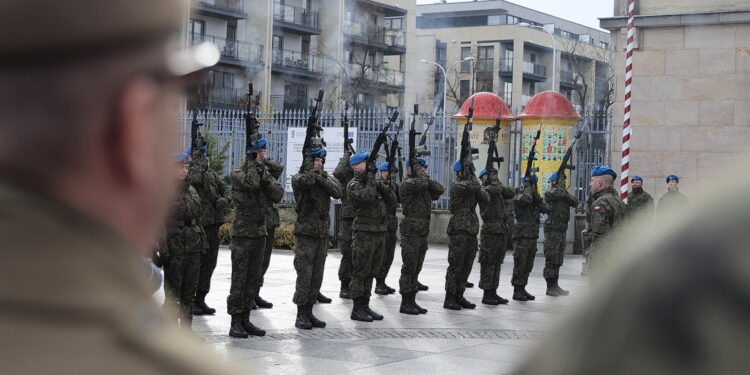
<point x="502" y="300"/>
<point x="368" y="310"/>
<point x="196" y="310"/>
<point x="236" y="330"/>
<point x="421" y="287"/>
<point x="249" y="327"/>
<point x="551" y="291"/>
<point x="407" y="307"/>
<point x="559" y="290"/>
<point x="519" y="294"/>
<point x="323" y="299"/>
<point x="413" y="299"/>
<point x="381" y="288"/>
<point x="344" y="293"/>
<point x="358" y="311"/>
<point x="450" y="302"/>
<point x="200" y="304"/>
<point x="390" y="290"/>
<point x="317" y="323"/>
<point x="464" y="303"/>
<point x="303" y="319"/>
<point x="263" y="304"/>
<point x="469" y="284"/>
<point x="489" y="298"/>
<point x="529" y="297"/>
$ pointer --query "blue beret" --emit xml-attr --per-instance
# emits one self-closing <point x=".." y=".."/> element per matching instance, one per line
<point x="383" y="166"/>
<point x="552" y="177"/>
<point x="422" y="161"/>
<point x="636" y="178"/>
<point x="457" y="167"/>
<point x="672" y="177"/>
<point x="182" y="158"/>
<point x="207" y="158"/>
<point x="601" y="170"/>
<point x="482" y="172"/>
<point x="358" y="158"/>
<point x="318" y="152"/>
<point x="261" y="143"/>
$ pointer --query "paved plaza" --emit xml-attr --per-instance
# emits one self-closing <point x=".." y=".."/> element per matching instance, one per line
<point x="487" y="340"/>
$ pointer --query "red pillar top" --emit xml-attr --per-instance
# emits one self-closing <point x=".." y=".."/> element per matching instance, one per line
<point x="486" y="107"/>
<point x="549" y="104"/>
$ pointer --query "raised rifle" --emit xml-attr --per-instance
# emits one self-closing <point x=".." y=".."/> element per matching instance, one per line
<point x="392" y="154"/>
<point x="468" y="153"/>
<point x="565" y="164"/>
<point x="312" y="135"/>
<point x="417" y="150"/>
<point x="196" y="138"/>
<point x="532" y="155"/>
<point x="493" y="156"/>
<point x="348" y="148"/>
<point x="251" y="122"/>
<point x="381" y="140"/>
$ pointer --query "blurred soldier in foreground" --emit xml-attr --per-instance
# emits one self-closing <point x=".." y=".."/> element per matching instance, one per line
<point x="640" y="203"/>
<point x="672" y="199"/>
<point x="417" y="194"/>
<point x="313" y="190"/>
<point x="214" y="198"/>
<point x="559" y="202"/>
<point x="680" y="306"/>
<point x="527" y="206"/>
<point x="87" y="139"/>
<point x="605" y="211"/>
<point x="391" y="226"/>
<point x="272" y="222"/>
<point x="493" y="245"/>
<point x="344" y="174"/>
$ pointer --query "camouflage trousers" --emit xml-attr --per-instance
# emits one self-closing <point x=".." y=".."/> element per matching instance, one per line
<point x="523" y="260"/>
<point x="462" y="250"/>
<point x="368" y="253"/>
<point x="309" y="261"/>
<point x="492" y="248"/>
<point x="554" y="253"/>
<point x="390" y="252"/>
<point x="208" y="260"/>
<point x="413" y="251"/>
<point x="270" y="239"/>
<point x="345" y="243"/>
<point x="181" y="280"/>
<point x="247" y="265"/>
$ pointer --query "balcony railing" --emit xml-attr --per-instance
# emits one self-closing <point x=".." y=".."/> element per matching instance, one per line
<point x="232" y="5"/>
<point x="219" y="97"/>
<point x="485" y="64"/>
<point x="567" y="76"/>
<point x="296" y="15"/>
<point x="381" y="76"/>
<point x="377" y="35"/>
<point x="297" y="60"/>
<point x="506" y="65"/>
<point x="235" y="49"/>
<point x="535" y="68"/>
<point x="395" y="38"/>
<point x="291" y="102"/>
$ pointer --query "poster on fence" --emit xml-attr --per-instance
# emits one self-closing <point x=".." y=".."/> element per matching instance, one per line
<point x="334" y="138"/>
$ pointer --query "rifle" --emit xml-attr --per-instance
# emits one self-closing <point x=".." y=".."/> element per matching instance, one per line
<point x="312" y="136"/>
<point x="532" y="154"/>
<point x="466" y="150"/>
<point x="251" y="122"/>
<point x="196" y="139"/>
<point x="493" y="156"/>
<point x="348" y="148"/>
<point x="391" y="159"/>
<point x="381" y="140"/>
<point x="417" y="150"/>
<point x="568" y="154"/>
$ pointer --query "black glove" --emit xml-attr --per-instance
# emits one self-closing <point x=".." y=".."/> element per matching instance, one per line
<point x="165" y="260"/>
<point x="221" y="203"/>
<point x="372" y="168"/>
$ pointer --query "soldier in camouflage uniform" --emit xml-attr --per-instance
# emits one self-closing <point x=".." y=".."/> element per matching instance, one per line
<point x="493" y="243"/>
<point x="313" y="190"/>
<point x="214" y="198"/>
<point x="253" y="191"/>
<point x="640" y="203"/>
<point x="417" y="193"/>
<point x="181" y="249"/>
<point x="604" y="212"/>
<point x="463" y="227"/>
<point x="391" y="227"/>
<point x="344" y="174"/>
<point x="369" y="197"/>
<point x="672" y="200"/>
<point x="272" y="222"/>
<point x="560" y="202"/>
<point x="527" y="206"/>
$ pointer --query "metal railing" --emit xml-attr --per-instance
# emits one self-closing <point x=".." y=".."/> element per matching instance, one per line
<point x="220" y="97"/>
<point x="377" y="35"/>
<point x="296" y="15"/>
<point x="233" y="5"/>
<point x="298" y="60"/>
<point x="485" y="64"/>
<point x="535" y="68"/>
<point x="567" y="76"/>
<point x="395" y="38"/>
<point x="506" y="65"/>
<point x="234" y="49"/>
<point x="378" y="75"/>
<point x="287" y="102"/>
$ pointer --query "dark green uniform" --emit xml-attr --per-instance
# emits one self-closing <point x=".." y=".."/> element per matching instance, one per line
<point x="391" y="227"/>
<point x="463" y="228"/>
<point x="182" y="247"/>
<point x="510" y="220"/>
<point x="417" y="194"/>
<point x="312" y="192"/>
<point x="640" y="203"/>
<point x="605" y="211"/>
<point x="253" y="190"/>
<point x="527" y="206"/>
<point x="493" y="238"/>
<point x="214" y="197"/>
<point x="559" y="202"/>
<point x="344" y="174"/>
<point x="272" y="220"/>
<point x="672" y="200"/>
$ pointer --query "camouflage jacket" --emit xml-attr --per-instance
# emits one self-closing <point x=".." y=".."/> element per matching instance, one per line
<point x="391" y="205"/>
<point x="605" y="211"/>
<point x="344" y="173"/>
<point x="275" y="168"/>
<point x="313" y="192"/>
<point x="640" y="202"/>
<point x="527" y="206"/>
<point x="465" y="194"/>
<point x="494" y="217"/>
<point x="671" y="200"/>
<point x="417" y="194"/>
<point x="253" y="191"/>
<point x="369" y="200"/>
<point x="559" y="202"/>
<point x="211" y="188"/>
<point x="184" y="233"/>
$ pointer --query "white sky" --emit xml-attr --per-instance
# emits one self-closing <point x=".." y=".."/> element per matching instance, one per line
<point x="585" y="12"/>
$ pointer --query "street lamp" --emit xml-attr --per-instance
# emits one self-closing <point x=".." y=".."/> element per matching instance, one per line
<point x="445" y="80"/>
<point x="554" y="50"/>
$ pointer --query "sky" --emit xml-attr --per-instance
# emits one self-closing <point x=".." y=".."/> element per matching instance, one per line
<point x="585" y="12"/>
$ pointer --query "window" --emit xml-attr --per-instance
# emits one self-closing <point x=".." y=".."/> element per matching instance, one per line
<point x="441" y="52"/>
<point x="278" y="42"/>
<point x="565" y="34"/>
<point x="232" y="30"/>
<point x="496" y="20"/>
<point x="295" y="90"/>
<point x="197" y="27"/>
<point x="512" y="20"/>
<point x="486" y="60"/>
<point x="305" y="45"/>
<point x="466" y="65"/>
<point x="604" y="45"/>
<point x="464" y="89"/>
<point x="371" y="59"/>
<point x="348" y="56"/>
<point x="507" y="91"/>
<point x="219" y="79"/>
<point x="396" y="23"/>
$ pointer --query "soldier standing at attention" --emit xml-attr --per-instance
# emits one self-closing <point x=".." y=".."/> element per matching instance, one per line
<point x="672" y="199"/>
<point x="527" y="206"/>
<point x="368" y="197"/>
<point x="313" y="190"/>
<point x="639" y="201"/>
<point x="180" y="253"/>
<point x="252" y="188"/>
<point x="463" y="228"/>
<point x="272" y="222"/>
<point x="344" y="174"/>
<point x="606" y="210"/>
<point x="417" y="192"/>
<point x="214" y="198"/>
<point x="493" y="243"/>
<point x="391" y="226"/>
<point x="559" y="202"/>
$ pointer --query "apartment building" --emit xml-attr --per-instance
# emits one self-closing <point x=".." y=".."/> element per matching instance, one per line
<point x="510" y="52"/>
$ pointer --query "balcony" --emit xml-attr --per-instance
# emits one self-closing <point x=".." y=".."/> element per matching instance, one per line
<point x="234" y="53"/>
<point x="534" y="71"/>
<point x="295" y="19"/>
<point x="568" y="79"/>
<point x="388" y="79"/>
<point x="222" y="98"/>
<point x="506" y="68"/>
<point x="288" y="102"/>
<point x="388" y="10"/>
<point x="224" y="9"/>
<point x="389" y="41"/>
<point x="485" y="65"/>
<point x="304" y="65"/>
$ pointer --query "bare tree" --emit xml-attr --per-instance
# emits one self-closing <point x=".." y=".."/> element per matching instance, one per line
<point x="573" y="50"/>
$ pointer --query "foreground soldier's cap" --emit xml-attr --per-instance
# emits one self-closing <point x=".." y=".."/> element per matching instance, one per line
<point x="482" y="172"/>
<point x="552" y="177"/>
<point x="636" y="178"/>
<point x="457" y="167"/>
<point x="182" y="158"/>
<point x="358" y="158"/>
<point x="383" y="167"/>
<point x="261" y="143"/>
<point x="47" y="32"/>
<point x="601" y="170"/>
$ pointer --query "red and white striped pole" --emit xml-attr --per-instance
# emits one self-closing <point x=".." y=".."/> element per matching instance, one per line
<point x="625" y="170"/>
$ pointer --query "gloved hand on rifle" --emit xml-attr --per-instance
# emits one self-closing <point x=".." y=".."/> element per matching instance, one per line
<point x="372" y="168"/>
